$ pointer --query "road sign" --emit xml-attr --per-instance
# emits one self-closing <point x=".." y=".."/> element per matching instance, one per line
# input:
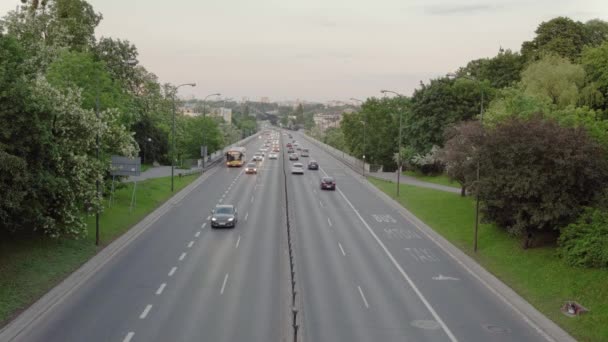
<point x="125" y="166"/>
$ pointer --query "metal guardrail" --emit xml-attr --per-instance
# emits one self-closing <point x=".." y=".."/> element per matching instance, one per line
<point x="354" y="163"/>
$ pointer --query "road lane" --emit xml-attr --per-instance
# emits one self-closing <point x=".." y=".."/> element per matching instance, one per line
<point x="468" y="308"/>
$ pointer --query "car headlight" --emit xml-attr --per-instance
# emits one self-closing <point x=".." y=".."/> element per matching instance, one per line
<point x="213" y="219"/>
<point x="231" y="219"/>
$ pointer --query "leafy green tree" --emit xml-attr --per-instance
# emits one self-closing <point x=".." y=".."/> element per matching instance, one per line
<point x="597" y="32"/>
<point x="334" y="137"/>
<point x="595" y="62"/>
<point x="554" y="79"/>
<point x="299" y="114"/>
<point x="501" y="71"/>
<point x="536" y="174"/>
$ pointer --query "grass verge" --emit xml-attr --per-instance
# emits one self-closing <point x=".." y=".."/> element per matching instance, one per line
<point x="31" y="266"/>
<point x="536" y="274"/>
<point x="440" y="179"/>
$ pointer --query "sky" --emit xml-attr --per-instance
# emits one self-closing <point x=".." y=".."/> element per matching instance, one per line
<point x="320" y="50"/>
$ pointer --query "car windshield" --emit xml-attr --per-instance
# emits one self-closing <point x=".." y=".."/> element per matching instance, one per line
<point x="328" y="179"/>
<point x="223" y="210"/>
<point x="251" y="165"/>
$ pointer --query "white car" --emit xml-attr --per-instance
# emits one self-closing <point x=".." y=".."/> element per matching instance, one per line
<point x="258" y="157"/>
<point x="273" y="156"/>
<point x="297" y="169"/>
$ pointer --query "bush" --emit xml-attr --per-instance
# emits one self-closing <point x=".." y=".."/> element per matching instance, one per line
<point x="427" y="164"/>
<point x="585" y="242"/>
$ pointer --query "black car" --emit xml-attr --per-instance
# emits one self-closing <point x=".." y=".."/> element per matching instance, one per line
<point x="328" y="183"/>
<point x="224" y="215"/>
<point x="313" y="165"/>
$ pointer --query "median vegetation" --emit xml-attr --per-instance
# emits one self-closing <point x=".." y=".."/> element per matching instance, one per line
<point x="31" y="265"/>
<point x="536" y="274"/>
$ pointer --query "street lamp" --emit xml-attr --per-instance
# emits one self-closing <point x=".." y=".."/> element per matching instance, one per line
<point x="146" y="149"/>
<point x="173" y="130"/>
<point x="364" y="126"/>
<point x="399" y="143"/>
<point x="205" y="101"/>
<point x="471" y="78"/>
<point x="129" y="62"/>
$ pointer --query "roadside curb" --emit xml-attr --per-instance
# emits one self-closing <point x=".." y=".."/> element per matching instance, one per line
<point x="538" y="321"/>
<point x="57" y="294"/>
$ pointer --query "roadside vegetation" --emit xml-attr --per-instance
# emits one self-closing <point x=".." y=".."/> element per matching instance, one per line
<point x="536" y="274"/>
<point x="30" y="266"/>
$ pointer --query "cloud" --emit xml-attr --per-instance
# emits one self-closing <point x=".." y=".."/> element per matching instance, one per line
<point x="460" y="9"/>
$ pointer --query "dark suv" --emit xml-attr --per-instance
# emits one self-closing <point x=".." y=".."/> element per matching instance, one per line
<point x="328" y="183"/>
<point x="313" y="165"/>
<point x="224" y="215"/>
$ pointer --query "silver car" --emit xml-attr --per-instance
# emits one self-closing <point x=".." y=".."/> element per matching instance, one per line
<point x="224" y="215"/>
<point x="297" y="169"/>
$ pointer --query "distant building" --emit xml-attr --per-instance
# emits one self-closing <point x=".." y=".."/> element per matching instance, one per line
<point x="324" y="121"/>
<point x="224" y="113"/>
<point x="264" y="99"/>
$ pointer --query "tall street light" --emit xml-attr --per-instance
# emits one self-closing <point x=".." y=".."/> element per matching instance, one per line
<point x="364" y="122"/>
<point x="130" y="62"/>
<point x="399" y="143"/>
<point x="205" y="101"/>
<point x="471" y="78"/>
<point x="173" y="131"/>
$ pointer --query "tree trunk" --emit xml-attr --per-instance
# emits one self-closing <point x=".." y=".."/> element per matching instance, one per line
<point x="463" y="191"/>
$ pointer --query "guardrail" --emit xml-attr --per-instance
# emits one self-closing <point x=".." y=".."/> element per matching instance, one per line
<point x="354" y="163"/>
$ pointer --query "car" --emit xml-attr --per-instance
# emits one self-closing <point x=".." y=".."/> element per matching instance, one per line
<point x="289" y="145"/>
<point x="328" y="183"/>
<point x="304" y="153"/>
<point x="290" y="150"/>
<point x="263" y="149"/>
<point x="276" y="150"/>
<point x="313" y="165"/>
<point x="293" y="156"/>
<point x="297" y="169"/>
<point x="251" y="168"/>
<point x="258" y="157"/>
<point x="273" y="156"/>
<point x="224" y="215"/>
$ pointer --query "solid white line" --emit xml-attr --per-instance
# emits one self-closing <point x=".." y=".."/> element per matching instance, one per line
<point x="224" y="284"/>
<point x="128" y="337"/>
<point x="203" y="225"/>
<point x="208" y="217"/>
<point x="342" y="249"/>
<point x="181" y="257"/>
<point x="145" y="313"/>
<point x="238" y="241"/>
<point x="197" y="234"/>
<point x="399" y="268"/>
<point x="329" y="221"/>
<point x="172" y="271"/>
<point x="161" y="288"/>
<point x="190" y="244"/>
<point x="363" y="297"/>
<point x="246" y="216"/>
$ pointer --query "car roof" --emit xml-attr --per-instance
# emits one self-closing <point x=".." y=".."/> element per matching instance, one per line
<point x="224" y="206"/>
<point x="328" y="178"/>
<point x="251" y="164"/>
<point x="297" y="164"/>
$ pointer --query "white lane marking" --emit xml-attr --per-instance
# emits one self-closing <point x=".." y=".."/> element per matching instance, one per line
<point x="203" y="225"/>
<point x="181" y="257"/>
<point x="220" y="201"/>
<point x="252" y="199"/>
<point x="246" y="216"/>
<point x="238" y="241"/>
<point x="341" y="249"/>
<point x="190" y="244"/>
<point x="224" y="284"/>
<point x="208" y="217"/>
<point x="197" y="234"/>
<point x="145" y="312"/>
<point x="399" y="268"/>
<point x="128" y="337"/>
<point x="329" y="221"/>
<point x="172" y="271"/>
<point x="321" y="204"/>
<point x="161" y="288"/>
<point x="314" y="190"/>
<point x="363" y="297"/>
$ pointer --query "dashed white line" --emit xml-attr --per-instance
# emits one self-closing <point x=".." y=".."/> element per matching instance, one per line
<point x="246" y="216"/>
<point x="208" y="217"/>
<point x="172" y="271"/>
<point x="145" y="312"/>
<point x="181" y="257"/>
<point x="197" y="234"/>
<point x="128" y="337"/>
<point x="238" y="241"/>
<point x="224" y="284"/>
<point x="321" y="204"/>
<point x="341" y="249"/>
<point x="190" y="244"/>
<point x="203" y="225"/>
<point x="161" y="288"/>
<point x="363" y="297"/>
<point x="329" y="222"/>
<point x="252" y="199"/>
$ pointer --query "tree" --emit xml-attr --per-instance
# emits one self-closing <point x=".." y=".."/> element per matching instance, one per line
<point x="597" y="32"/>
<point x="554" y="79"/>
<point x="501" y="71"/>
<point x="595" y="62"/>
<point x="536" y="174"/>
<point x="460" y="152"/>
<point x="561" y="36"/>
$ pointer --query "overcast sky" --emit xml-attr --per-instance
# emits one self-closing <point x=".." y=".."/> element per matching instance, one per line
<point x="321" y="49"/>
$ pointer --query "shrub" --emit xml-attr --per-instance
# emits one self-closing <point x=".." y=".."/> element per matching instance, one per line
<point x="584" y="243"/>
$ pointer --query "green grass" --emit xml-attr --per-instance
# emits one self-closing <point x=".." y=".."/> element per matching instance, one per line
<point x="32" y="266"/>
<point x="536" y="274"/>
<point x="145" y="167"/>
<point x="440" y="179"/>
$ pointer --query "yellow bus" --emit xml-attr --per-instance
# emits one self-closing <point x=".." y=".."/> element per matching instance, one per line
<point x="235" y="156"/>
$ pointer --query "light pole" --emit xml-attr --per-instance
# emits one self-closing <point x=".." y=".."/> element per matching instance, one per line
<point x="452" y="75"/>
<point x="146" y="149"/>
<point x="205" y="101"/>
<point x="129" y="62"/>
<point x="399" y="143"/>
<point x="364" y="122"/>
<point x="173" y="131"/>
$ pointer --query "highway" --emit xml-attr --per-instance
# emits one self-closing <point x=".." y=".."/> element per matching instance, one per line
<point x="363" y="271"/>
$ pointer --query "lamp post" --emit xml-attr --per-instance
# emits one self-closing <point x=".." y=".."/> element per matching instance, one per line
<point x="399" y="143"/>
<point x="130" y="62"/>
<point x="146" y="149"/>
<point x="205" y="101"/>
<point x="364" y="122"/>
<point x="454" y="76"/>
<point x="173" y="131"/>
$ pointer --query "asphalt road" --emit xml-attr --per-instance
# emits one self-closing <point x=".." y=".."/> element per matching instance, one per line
<point x="364" y="272"/>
